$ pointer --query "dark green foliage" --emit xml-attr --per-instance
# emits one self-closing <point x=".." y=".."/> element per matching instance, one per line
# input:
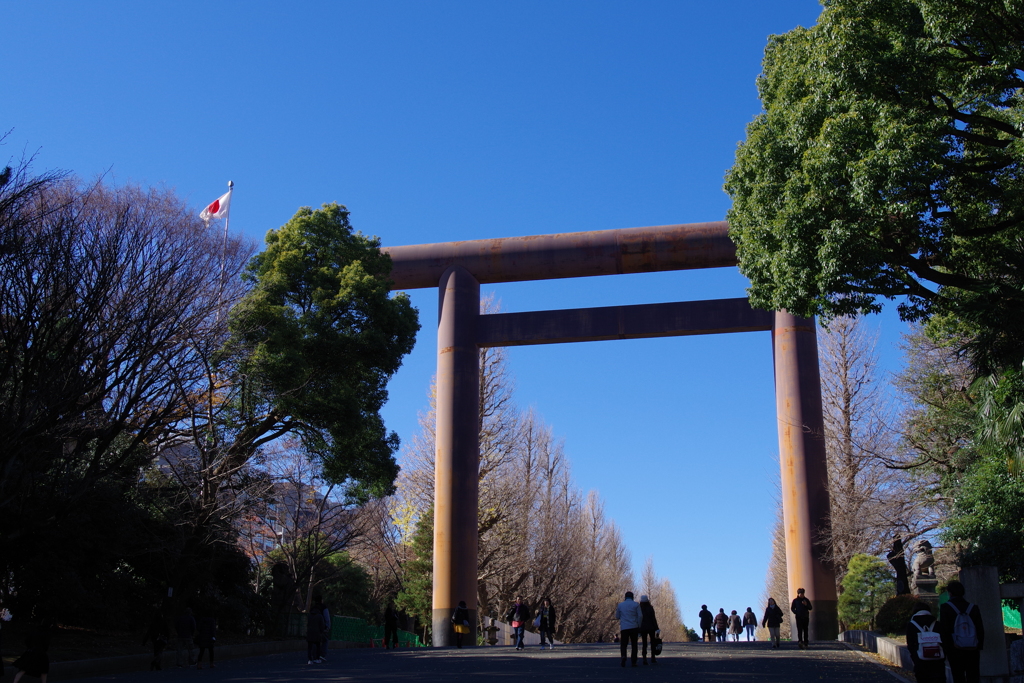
<point x="316" y="341"/>
<point x="347" y="592"/>
<point x="416" y="596"/>
<point x="987" y="520"/>
<point x="867" y="585"/>
<point x="893" y="616"/>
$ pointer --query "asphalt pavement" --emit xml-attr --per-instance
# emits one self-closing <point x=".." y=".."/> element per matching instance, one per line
<point x="595" y="663"/>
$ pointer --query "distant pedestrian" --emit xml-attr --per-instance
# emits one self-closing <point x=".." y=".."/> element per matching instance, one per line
<point x="5" y="615"/>
<point x="157" y="633"/>
<point x="630" y="618"/>
<point x="750" y="623"/>
<point x="772" y="619"/>
<point x="648" y="627"/>
<point x="36" y="660"/>
<point x="460" y="622"/>
<point x="327" y="631"/>
<point x="721" y="625"/>
<point x="546" y="623"/>
<point x="801" y="608"/>
<point x="518" y="614"/>
<point x="963" y="635"/>
<point x="184" y="643"/>
<point x="735" y="626"/>
<point x="707" y="624"/>
<point x="924" y="645"/>
<point x="206" y="636"/>
<point x="390" y="625"/>
<point x="315" y="628"/>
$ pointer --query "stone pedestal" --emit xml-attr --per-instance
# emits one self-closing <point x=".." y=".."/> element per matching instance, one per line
<point x="924" y="589"/>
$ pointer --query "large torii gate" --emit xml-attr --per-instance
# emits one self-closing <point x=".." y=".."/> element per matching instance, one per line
<point x="458" y="268"/>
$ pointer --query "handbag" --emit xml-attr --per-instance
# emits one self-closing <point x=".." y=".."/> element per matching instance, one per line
<point x="536" y="622"/>
<point x="656" y="646"/>
<point x="461" y="628"/>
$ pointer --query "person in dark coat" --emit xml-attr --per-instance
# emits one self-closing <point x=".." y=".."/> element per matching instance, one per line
<point x="315" y="629"/>
<point x="964" y="662"/>
<point x="159" y="635"/>
<point x="517" y="615"/>
<point x="547" y="622"/>
<point x="802" y="613"/>
<point x="750" y="623"/>
<point x="773" y="621"/>
<point x="36" y="660"/>
<point x="185" y="629"/>
<point x="206" y="637"/>
<point x="707" y="621"/>
<point x="390" y="625"/>
<point x="460" y="617"/>
<point x="721" y="625"/>
<point x="648" y="627"/>
<point x="930" y="670"/>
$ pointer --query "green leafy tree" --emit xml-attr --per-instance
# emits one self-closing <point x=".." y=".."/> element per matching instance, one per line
<point x="416" y="596"/>
<point x="886" y="164"/>
<point x="313" y="346"/>
<point x="347" y="592"/>
<point x="867" y="585"/>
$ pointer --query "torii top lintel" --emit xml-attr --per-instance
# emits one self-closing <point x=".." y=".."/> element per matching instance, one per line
<point x="571" y="254"/>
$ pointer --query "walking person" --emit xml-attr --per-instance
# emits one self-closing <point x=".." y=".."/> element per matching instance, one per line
<point x="648" y="627"/>
<point x="924" y="645"/>
<point x="206" y="637"/>
<point x="773" y="621"/>
<point x="721" y="625"/>
<point x="460" y="622"/>
<point x="36" y="660"/>
<point x="390" y="625"/>
<point x="735" y="626"/>
<point x="707" y="622"/>
<point x="963" y="635"/>
<point x="184" y="643"/>
<point x="518" y="614"/>
<point x="630" y="618"/>
<point x="314" y="632"/>
<point x="327" y="631"/>
<point x="801" y="608"/>
<point x="157" y="632"/>
<point x="749" y="624"/>
<point x="546" y="623"/>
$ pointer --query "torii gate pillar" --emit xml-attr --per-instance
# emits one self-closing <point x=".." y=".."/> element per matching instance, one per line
<point x="805" y="499"/>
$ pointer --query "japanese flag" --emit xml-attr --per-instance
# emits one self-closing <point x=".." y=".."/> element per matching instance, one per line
<point x="218" y="208"/>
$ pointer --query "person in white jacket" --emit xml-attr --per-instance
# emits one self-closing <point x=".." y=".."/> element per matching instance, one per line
<point x="630" y="617"/>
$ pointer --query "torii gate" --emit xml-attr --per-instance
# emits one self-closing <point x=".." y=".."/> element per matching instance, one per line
<point x="458" y="268"/>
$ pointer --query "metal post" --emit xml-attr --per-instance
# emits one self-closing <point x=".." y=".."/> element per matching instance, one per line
<point x="805" y="499"/>
<point x="457" y="453"/>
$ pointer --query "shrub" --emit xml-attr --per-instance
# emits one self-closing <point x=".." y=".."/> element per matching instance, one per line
<point x="895" y="613"/>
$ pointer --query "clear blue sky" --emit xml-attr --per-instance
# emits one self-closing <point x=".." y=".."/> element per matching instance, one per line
<point x="439" y="121"/>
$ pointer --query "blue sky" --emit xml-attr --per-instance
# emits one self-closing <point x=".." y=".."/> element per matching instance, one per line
<point x="439" y="121"/>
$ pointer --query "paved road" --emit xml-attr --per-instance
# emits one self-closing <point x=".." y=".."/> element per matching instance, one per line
<point x="690" y="662"/>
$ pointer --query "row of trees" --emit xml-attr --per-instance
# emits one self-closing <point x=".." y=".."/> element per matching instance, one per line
<point x="147" y="365"/>
<point x="539" y="535"/>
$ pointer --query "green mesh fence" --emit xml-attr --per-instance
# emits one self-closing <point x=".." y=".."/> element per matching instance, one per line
<point x="353" y="630"/>
<point x="1011" y="617"/>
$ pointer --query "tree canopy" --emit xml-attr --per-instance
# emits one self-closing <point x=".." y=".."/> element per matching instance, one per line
<point x="886" y="164"/>
<point x="315" y="342"/>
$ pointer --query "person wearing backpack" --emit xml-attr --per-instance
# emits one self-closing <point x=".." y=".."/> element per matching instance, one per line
<point x="963" y="635"/>
<point x="721" y="625"/>
<point x="924" y="644"/>
<point x="750" y="623"/>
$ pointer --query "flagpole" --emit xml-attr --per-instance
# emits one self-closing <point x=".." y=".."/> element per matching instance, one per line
<point x="224" y="250"/>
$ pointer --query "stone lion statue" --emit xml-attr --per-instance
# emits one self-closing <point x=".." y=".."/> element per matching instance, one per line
<point x="924" y="562"/>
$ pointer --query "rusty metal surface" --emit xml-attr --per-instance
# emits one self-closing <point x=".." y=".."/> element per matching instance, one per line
<point x="621" y="322"/>
<point x="456" y="453"/>
<point x="805" y="498"/>
<point x="575" y="254"/>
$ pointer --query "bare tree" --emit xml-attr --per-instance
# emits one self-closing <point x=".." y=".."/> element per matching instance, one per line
<point x="871" y="501"/>
<point x="663" y="597"/>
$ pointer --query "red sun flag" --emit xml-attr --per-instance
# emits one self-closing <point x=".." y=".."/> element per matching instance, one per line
<point x="218" y="208"/>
